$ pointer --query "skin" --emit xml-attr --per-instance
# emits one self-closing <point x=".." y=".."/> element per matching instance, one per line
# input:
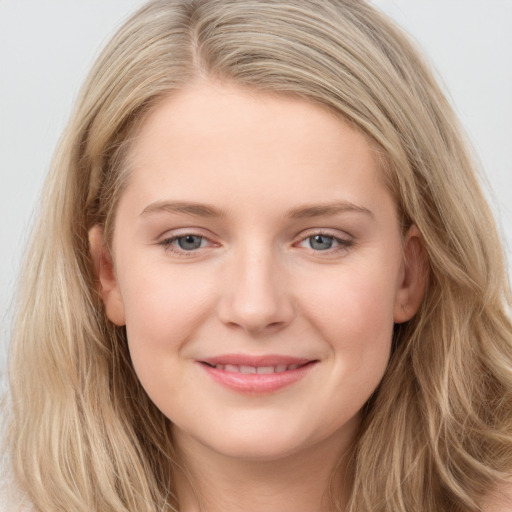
<point x="257" y="285"/>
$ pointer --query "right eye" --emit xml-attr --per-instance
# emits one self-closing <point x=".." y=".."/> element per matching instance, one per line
<point x="187" y="243"/>
<point x="321" y="242"/>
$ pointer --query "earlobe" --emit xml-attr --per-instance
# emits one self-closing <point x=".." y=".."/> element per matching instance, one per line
<point x="411" y="289"/>
<point x="108" y="286"/>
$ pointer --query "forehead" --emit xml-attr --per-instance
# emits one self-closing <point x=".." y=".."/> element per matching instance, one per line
<point x="224" y="141"/>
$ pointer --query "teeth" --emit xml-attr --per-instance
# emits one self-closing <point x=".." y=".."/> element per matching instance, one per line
<point x="265" y="369"/>
<point x="247" y="370"/>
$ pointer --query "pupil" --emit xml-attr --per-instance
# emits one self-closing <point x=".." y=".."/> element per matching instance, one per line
<point x="320" y="242"/>
<point x="189" y="242"/>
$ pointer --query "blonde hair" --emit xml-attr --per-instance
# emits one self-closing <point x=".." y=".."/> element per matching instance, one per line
<point x="437" y="433"/>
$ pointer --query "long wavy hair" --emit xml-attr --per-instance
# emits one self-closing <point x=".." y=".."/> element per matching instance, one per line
<point x="437" y="433"/>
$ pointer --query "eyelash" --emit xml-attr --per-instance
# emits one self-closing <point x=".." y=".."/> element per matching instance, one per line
<point x="344" y="244"/>
<point x="167" y="244"/>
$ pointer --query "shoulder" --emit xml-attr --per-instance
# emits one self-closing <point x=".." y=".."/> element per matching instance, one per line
<point x="500" y="501"/>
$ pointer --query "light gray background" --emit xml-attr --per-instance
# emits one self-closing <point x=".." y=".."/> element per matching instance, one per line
<point x="47" y="47"/>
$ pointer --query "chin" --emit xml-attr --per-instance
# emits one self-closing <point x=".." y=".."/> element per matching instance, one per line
<point x="261" y="449"/>
<point x="254" y="442"/>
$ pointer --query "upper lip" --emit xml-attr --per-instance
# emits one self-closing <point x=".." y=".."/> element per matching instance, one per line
<point x="256" y="361"/>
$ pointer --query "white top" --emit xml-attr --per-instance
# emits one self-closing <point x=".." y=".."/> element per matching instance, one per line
<point x="12" y="498"/>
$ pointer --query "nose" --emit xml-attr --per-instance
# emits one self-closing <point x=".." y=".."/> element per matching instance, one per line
<point x="255" y="294"/>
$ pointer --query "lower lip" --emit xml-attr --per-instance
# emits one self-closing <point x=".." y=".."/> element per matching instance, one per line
<point x="258" y="383"/>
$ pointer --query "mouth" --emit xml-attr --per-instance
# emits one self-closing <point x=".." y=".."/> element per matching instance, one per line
<point x="257" y="374"/>
<point x="260" y="370"/>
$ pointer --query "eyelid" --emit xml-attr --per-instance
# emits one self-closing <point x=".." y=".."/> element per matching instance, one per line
<point x="333" y="233"/>
<point x="344" y="241"/>
<point x="167" y="241"/>
<point x="180" y="232"/>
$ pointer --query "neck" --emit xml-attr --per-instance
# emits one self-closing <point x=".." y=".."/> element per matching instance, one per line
<point x="308" y="481"/>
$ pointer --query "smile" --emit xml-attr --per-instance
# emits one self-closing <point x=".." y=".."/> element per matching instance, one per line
<point x="256" y="369"/>
<point x="256" y="374"/>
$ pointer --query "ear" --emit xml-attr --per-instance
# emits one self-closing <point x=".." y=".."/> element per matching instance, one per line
<point x="411" y="287"/>
<point x="108" y="286"/>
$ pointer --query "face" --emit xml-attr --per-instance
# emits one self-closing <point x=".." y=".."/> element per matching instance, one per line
<point x="259" y="268"/>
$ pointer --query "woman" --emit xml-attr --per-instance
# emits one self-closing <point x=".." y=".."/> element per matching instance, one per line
<point x="264" y="278"/>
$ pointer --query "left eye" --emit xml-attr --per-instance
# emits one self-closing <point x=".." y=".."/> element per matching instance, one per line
<point x="321" y="242"/>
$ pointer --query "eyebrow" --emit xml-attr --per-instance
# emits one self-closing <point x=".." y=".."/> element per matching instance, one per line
<point x="322" y="210"/>
<point x="189" y="208"/>
<point x="301" y="212"/>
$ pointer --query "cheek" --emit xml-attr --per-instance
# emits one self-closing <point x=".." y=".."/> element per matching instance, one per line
<point x="350" y="313"/>
<point x="353" y="313"/>
<point x="163" y="308"/>
<point x="360" y="300"/>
